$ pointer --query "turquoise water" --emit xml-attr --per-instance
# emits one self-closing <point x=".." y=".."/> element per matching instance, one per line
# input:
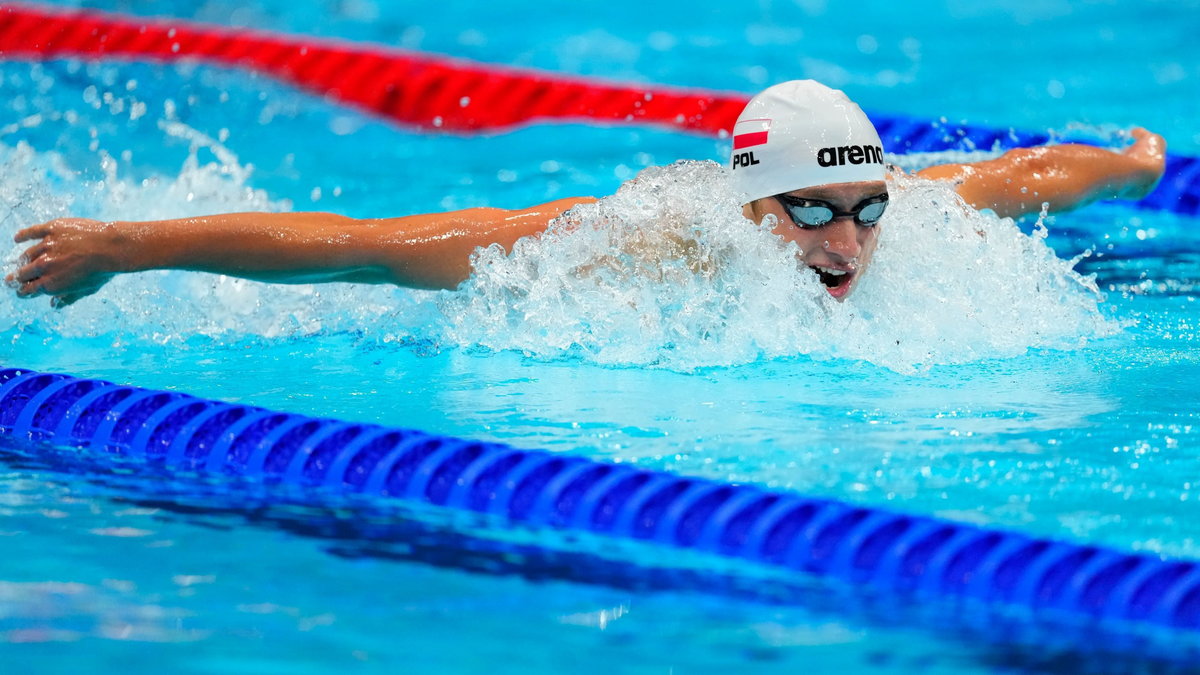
<point x="1049" y="409"/>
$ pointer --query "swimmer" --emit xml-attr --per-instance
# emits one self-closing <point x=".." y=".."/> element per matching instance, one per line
<point x="802" y="153"/>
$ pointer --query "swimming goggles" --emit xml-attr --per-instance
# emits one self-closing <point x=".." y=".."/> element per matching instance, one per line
<point x="807" y="213"/>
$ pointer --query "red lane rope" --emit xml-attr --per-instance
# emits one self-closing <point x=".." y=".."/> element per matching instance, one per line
<point x="431" y="92"/>
<point x="415" y="89"/>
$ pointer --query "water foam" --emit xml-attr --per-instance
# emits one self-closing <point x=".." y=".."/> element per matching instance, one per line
<point x="667" y="272"/>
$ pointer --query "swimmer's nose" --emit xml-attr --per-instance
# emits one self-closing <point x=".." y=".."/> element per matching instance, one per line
<point x="841" y="239"/>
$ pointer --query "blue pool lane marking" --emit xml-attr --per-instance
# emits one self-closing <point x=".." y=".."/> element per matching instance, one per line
<point x="886" y="552"/>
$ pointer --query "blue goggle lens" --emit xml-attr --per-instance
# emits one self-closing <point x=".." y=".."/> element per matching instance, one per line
<point x="810" y="213"/>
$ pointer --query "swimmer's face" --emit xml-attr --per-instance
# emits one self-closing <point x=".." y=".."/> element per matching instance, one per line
<point x="839" y="251"/>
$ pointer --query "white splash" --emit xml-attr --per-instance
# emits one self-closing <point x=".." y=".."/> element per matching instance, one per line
<point x="667" y="272"/>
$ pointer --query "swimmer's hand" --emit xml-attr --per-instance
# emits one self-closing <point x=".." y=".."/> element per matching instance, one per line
<point x="70" y="259"/>
<point x="1149" y="154"/>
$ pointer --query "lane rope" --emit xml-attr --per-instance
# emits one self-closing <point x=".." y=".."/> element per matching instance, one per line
<point x="884" y="551"/>
<point x="438" y="92"/>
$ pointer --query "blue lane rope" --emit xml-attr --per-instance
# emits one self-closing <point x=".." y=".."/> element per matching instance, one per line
<point x="885" y="551"/>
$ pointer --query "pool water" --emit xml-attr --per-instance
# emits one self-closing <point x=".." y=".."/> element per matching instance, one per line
<point x="974" y="378"/>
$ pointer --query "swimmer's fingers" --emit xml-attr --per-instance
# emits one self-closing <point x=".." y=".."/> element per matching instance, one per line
<point x="58" y="299"/>
<point x="64" y="291"/>
<point x="31" y="289"/>
<point x="34" y="232"/>
<point x="1147" y="146"/>
<point x="27" y="273"/>
<point x="33" y="253"/>
<point x="1140" y="133"/>
<point x="50" y="227"/>
<point x="31" y="262"/>
<point x="36" y="284"/>
<point x="34" y="266"/>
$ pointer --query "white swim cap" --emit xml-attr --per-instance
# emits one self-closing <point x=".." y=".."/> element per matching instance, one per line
<point x="801" y="134"/>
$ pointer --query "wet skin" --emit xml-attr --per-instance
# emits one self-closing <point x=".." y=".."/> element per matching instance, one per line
<point x="839" y="251"/>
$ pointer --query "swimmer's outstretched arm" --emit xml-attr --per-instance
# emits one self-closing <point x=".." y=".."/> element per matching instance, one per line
<point x="73" y="257"/>
<point x="1064" y="176"/>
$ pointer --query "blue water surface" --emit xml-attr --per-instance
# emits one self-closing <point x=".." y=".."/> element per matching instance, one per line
<point x="1093" y="442"/>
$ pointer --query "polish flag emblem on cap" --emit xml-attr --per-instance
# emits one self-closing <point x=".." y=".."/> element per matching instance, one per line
<point x="749" y="133"/>
<point x="808" y="123"/>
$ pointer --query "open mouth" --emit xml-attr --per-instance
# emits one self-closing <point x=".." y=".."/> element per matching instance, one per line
<point x="836" y="281"/>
